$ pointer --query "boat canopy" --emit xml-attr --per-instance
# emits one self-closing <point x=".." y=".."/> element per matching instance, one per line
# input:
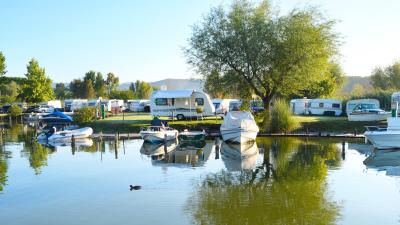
<point x="60" y="115"/>
<point x="173" y="94"/>
<point x="236" y="119"/>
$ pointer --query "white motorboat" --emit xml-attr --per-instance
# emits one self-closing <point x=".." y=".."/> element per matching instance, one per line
<point x="157" y="134"/>
<point x="66" y="135"/>
<point x="385" y="138"/>
<point x="367" y="112"/>
<point x="239" y="127"/>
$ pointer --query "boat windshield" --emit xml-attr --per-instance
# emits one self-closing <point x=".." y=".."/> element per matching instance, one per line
<point x="366" y="106"/>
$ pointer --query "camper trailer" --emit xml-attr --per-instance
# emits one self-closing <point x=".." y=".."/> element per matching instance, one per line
<point x="140" y="105"/>
<point x="396" y="97"/>
<point x="117" y="105"/>
<point x="181" y="103"/>
<point x="94" y="102"/>
<point x="56" y="104"/>
<point x="71" y="105"/>
<point x="299" y="106"/>
<point x="327" y="107"/>
<point x="351" y="104"/>
<point x="222" y="105"/>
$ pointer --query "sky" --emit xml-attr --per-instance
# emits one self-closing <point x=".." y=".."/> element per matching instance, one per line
<point x="144" y="39"/>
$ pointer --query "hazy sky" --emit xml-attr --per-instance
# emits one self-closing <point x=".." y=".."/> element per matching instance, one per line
<point x="144" y="39"/>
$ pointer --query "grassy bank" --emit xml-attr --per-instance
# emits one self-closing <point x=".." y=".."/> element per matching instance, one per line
<point x="131" y="122"/>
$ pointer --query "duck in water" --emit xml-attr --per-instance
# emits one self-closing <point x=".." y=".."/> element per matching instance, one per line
<point x="136" y="187"/>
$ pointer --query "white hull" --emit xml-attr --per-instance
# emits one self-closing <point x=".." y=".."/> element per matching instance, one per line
<point x="238" y="135"/>
<point x="367" y="117"/>
<point x="67" y="135"/>
<point x="384" y="139"/>
<point x="158" y="136"/>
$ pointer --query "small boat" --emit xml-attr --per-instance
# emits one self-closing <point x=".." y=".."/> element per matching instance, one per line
<point x="239" y="127"/>
<point x="158" y="134"/>
<point x="367" y="112"/>
<point x="189" y="136"/>
<point x="385" y="138"/>
<point x="66" y="135"/>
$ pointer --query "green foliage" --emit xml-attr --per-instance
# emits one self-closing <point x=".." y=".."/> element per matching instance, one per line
<point x="282" y="119"/>
<point x="38" y="87"/>
<point x="15" y="111"/>
<point x="141" y="90"/>
<point x="387" y="78"/>
<point x="85" y="115"/>
<point x="226" y="85"/>
<point x="253" y="45"/>
<point x="122" y="94"/>
<point x="89" y="91"/>
<point x="2" y="64"/>
<point x="76" y="88"/>
<point x="60" y="91"/>
<point x="112" y="82"/>
<point x="9" y="92"/>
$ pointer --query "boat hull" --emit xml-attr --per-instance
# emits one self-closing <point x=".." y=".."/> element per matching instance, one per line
<point x="189" y="137"/>
<point x="68" y="134"/>
<point x="384" y="139"/>
<point x="158" y="137"/>
<point x="367" y="117"/>
<point x="238" y="135"/>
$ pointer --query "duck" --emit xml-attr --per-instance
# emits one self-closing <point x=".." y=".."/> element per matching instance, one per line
<point x="136" y="187"/>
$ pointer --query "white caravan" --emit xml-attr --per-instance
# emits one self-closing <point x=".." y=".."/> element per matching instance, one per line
<point x="299" y="106"/>
<point x="181" y="103"/>
<point x="56" y="104"/>
<point x="94" y="102"/>
<point x="325" y="107"/>
<point x="78" y="104"/>
<point x="351" y="104"/>
<point x="222" y="106"/>
<point x="138" y="105"/>
<point x="117" y="105"/>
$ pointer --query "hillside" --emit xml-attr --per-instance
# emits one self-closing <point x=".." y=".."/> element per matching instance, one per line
<point x="172" y="84"/>
<point x="351" y="81"/>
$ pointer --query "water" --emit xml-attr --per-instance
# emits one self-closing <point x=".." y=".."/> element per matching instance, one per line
<point x="289" y="181"/>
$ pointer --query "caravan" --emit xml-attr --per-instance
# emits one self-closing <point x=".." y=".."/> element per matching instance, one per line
<point x="222" y="106"/>
<point x="299" y="106"/>
<point x="327" y="107"/>
<point x="140" y="105"/>
<point x="181" y="104"/>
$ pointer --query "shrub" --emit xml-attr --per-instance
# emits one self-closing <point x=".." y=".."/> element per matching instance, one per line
<point x="85" y="115"/>
<point x="281" y="119"/>
<point x="15" y="111"/>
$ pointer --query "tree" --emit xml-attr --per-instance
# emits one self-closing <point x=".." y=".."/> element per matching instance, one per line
<point x="143" y="90"/>
<point x="2" y="64"/>
<point x="77" y="88"/>
<point x="112" y="82"/>
<point x="38" y="87"/>
<point x="132" y="87"/>
<point x="60" y="91"/>
<point x="100" y="85"/>
<point x="122" y="94"/>
<point x="9" y="92"/>
<point x="270" y="54"/>
<point x="89" y="91"/>
<point x="387" y="78"/>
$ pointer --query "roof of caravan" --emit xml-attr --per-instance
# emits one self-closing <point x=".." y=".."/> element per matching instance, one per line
<point x="363" y="100"/>
<point x="173" y="94"/>
<point x="325" y="100"/>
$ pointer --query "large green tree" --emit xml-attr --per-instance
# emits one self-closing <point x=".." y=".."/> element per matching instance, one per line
<point x="38" y="86"/>
<point x="60" y="91"/>
<point x="9" y="92"/>
<point x="2" y="64"/>
<point x="142" y="90"/>
<point x="112" y="82"/>
<point x="268" y="52"/>
<point x="386" y="78"/>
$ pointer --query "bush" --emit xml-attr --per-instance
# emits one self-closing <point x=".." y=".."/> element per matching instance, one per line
<point x="85" y="115"/>
<point x="15" y="111"/>
<point x="281" y="119"/>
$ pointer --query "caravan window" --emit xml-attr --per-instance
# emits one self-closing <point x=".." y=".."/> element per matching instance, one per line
<point x="321" y="105"/>
<point x="161" y="101"/>
<point x="335" y="105"/>
<point x="199" y="101"/>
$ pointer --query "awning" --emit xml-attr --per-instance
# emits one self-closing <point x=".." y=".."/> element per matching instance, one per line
<point x="173" y="94"/>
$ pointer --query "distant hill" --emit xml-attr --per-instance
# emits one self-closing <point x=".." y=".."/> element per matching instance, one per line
<point x="351" y="81"/>
<point x="172" y="84"/>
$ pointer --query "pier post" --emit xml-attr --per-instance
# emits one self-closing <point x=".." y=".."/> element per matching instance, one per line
<point x="101" y="135"/>
<point x="355" y="132"/>
<point x="216" y="148"/>
<point x="343" y="149"/>
<point x="128" y="136"/>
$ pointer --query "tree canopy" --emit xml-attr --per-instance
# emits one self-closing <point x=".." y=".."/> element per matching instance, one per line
<point x="38" y="87"/>
<point x="253" y="45"/>
<point x="386" y="78"/>
<point x="2" y="64"/>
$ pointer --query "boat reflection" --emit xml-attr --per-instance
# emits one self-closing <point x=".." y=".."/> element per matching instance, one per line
<point x="158" y="151"/>
<point x="388" y="160"/>
<point x="238" y="157"/>
<point x="82" y="142"/>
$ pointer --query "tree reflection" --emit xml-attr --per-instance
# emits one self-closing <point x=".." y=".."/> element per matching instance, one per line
<point x="288" y="188"/>
<point x="4" y="155"/>
<point x="37" y="155"/>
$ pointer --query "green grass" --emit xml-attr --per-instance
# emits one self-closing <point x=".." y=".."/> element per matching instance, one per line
<point x="131" y="122"/>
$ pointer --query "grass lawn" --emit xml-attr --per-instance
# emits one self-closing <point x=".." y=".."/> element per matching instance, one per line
<point x="131" y="122"/>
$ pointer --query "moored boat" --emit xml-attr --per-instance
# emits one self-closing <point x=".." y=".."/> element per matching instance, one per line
<point x="158" y="134"/>
<point x="66" y="135"/>
<point x="367" y="112"/>
<point x="239" y="127"/>
<point x="188" y="136"/>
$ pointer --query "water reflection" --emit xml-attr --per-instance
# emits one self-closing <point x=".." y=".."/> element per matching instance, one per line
<point x="288" y="186"/>
<point x="388" y="160"/>
<point x="239" y="156"/>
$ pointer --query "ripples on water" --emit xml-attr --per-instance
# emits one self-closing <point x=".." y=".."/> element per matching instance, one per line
<point x="280" y="181"/>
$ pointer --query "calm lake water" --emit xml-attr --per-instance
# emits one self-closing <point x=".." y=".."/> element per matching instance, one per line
<point x="288" y="181"/>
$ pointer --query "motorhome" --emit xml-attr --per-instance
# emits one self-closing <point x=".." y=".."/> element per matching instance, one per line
<point x="235" y="105"/>
<point x="328" y="107"/>
<point x="71" y="105"/>
<point x="222" y="106"/>
<point x="117" y="105"/>
<point x="139" y="105"/>
<point x="181" y="104"/>
<point x="351" y="104"/>
<point x="94" y="102"/>
<point x="56" y="104"/>
<point x="299" y="106"/>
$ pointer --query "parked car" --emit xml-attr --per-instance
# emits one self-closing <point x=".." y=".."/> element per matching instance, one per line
<point x="45" y="109"/>
<point x="32" y="109"/>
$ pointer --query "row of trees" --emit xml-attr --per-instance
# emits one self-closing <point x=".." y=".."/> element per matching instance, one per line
<point x="37" y="86"/>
